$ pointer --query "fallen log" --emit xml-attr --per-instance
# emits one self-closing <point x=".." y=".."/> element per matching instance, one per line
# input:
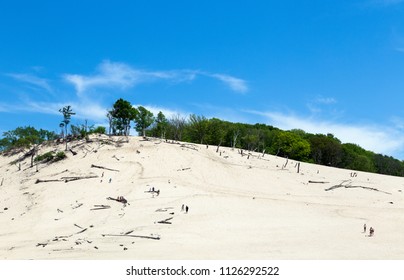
<point x="131" y="235"/>
<point x="102" y="167"/>
<point x="166" y="221"/>
<point x="318" y="182"/>
<point x="120" y="199"/>
<point x="353" y="187"/>
<point x="186" y="146"/>
<point x="100" y="207"/>
<point x="47" y="181"/>
<point x="69" y="179"/>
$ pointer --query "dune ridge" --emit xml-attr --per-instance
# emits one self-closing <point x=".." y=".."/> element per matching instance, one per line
<point x="241" y="205"/>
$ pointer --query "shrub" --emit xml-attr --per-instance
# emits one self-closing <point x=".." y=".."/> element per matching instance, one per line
<point x="60" y="155"/>
<point x="50" y="156"/>
<point x="46" y="157"/>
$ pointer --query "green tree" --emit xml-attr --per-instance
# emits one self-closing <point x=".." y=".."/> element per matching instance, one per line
<point x="161" y="125"/>
<point x="120" y="117"/>
<point x="198" y="128"/>
<point x="67" y="114"/>
<point x="325" y="149"/>
<point x="176" y="126"/>
<point x="292" y="145"/>
<point x="144" y="118"/>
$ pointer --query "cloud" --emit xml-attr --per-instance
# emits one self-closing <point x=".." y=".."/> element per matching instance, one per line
<point x="389" y="141"/>
<point x="120" y="75"/>
<point x="168" y="113"/>
<point x="33" y="80"/>
<point x="235" y="84"/>
<point x="109" y="75"/>
<point x="326" y="100"/>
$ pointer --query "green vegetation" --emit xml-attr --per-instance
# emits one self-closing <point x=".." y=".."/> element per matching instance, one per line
<point x="25" y="137"/>
<point x="67" y="114"/>
<point x="50" y="157"/>
<point x="295" y="144"/>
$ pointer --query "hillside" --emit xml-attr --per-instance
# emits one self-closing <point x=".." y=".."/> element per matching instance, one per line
<point x="241" y="206"/>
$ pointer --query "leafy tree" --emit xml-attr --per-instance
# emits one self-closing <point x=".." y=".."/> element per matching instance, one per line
<point x="161" y="125"/>
<point x="144" y="118"/>
<point x="25" y="137"/>
<point x="292" y="145"/>
<point x="120" y="116"/>
<point x="198" y="128"/>
<point x="176" y="126"/>
<point x="67" y="114"/>
<point x="325" y="149"/>
<point x="356" y="158"/>
<point x="216" y="131"/>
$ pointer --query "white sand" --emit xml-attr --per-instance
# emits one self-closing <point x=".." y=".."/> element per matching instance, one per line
<point x="239" y="208"/>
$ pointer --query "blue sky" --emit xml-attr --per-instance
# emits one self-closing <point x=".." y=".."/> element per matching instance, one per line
<point x="322" y="66"/>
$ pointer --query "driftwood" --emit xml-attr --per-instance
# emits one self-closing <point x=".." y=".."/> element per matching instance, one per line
<point x="47" y="181"/>
<point x="318" y="182"/>
<point x="166" y="221"/>
<point x="73" y="152"/>
<point x="100" y="207"/>
<point x="120" y="199"/>
<point x="69" y="179"/>
<point x="185" y="146"/>
<point x="183" y="169"/>
<point x="349" y="186"/>
<point x="102" y="167"/>
<point x="131" y="235"/>
<point x="81" y="231"/>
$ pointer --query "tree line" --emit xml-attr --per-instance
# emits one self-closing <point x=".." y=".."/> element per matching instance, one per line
<point x="295" y="144"/>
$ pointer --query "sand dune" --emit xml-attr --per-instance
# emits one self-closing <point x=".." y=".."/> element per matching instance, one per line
<point x="240" y="207"/>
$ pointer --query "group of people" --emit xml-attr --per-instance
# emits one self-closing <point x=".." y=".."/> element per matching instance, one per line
<point x="153" y="190"/>
<point x="184" y="208"/>
<point x="371" y="230"/>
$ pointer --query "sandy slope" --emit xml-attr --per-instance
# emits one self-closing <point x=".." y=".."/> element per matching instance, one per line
<point x="239" y="208"/>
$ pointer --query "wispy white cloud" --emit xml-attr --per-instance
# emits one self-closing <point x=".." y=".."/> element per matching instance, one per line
<point x="236" y="84"/>
<point x="377" y="138"/>
<point x="168" y="112"/>
<point x="326" y="100"/>
<point x="120" y="75"/>
<point x="33" y="80"/>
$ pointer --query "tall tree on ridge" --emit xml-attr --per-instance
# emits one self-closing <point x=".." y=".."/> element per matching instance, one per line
<point x="143" y="119"/>
<point x="67" y="114"/>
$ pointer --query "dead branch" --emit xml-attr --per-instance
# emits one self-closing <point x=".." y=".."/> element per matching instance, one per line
<point x="120" y="199"/>
<point x="130" y="235"/>
<point x="183" y="169"/>
<point x="102" y="167"/>
<point x="69" y="179"/>
<point x="47" y="181"/>
<point x="166" y="221"/>
<point x="100" y="207"/>
<point x="348" y="186"/>
<point x="185" y="146"/>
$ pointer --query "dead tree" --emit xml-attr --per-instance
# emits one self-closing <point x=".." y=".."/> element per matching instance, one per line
<point x="102" y="167"/>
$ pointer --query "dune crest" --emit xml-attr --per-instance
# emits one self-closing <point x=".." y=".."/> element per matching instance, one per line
<point x="126" y="198"/>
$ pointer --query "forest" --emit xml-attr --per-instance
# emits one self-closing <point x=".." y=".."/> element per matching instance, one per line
<point x="294" y="144"/>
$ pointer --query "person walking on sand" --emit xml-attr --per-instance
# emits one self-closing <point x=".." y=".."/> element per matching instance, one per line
<point x="182" y="207"/>
<point x="371" y="232"/>
<point x="186" y="209"/>
<point x="364" y="228"/>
